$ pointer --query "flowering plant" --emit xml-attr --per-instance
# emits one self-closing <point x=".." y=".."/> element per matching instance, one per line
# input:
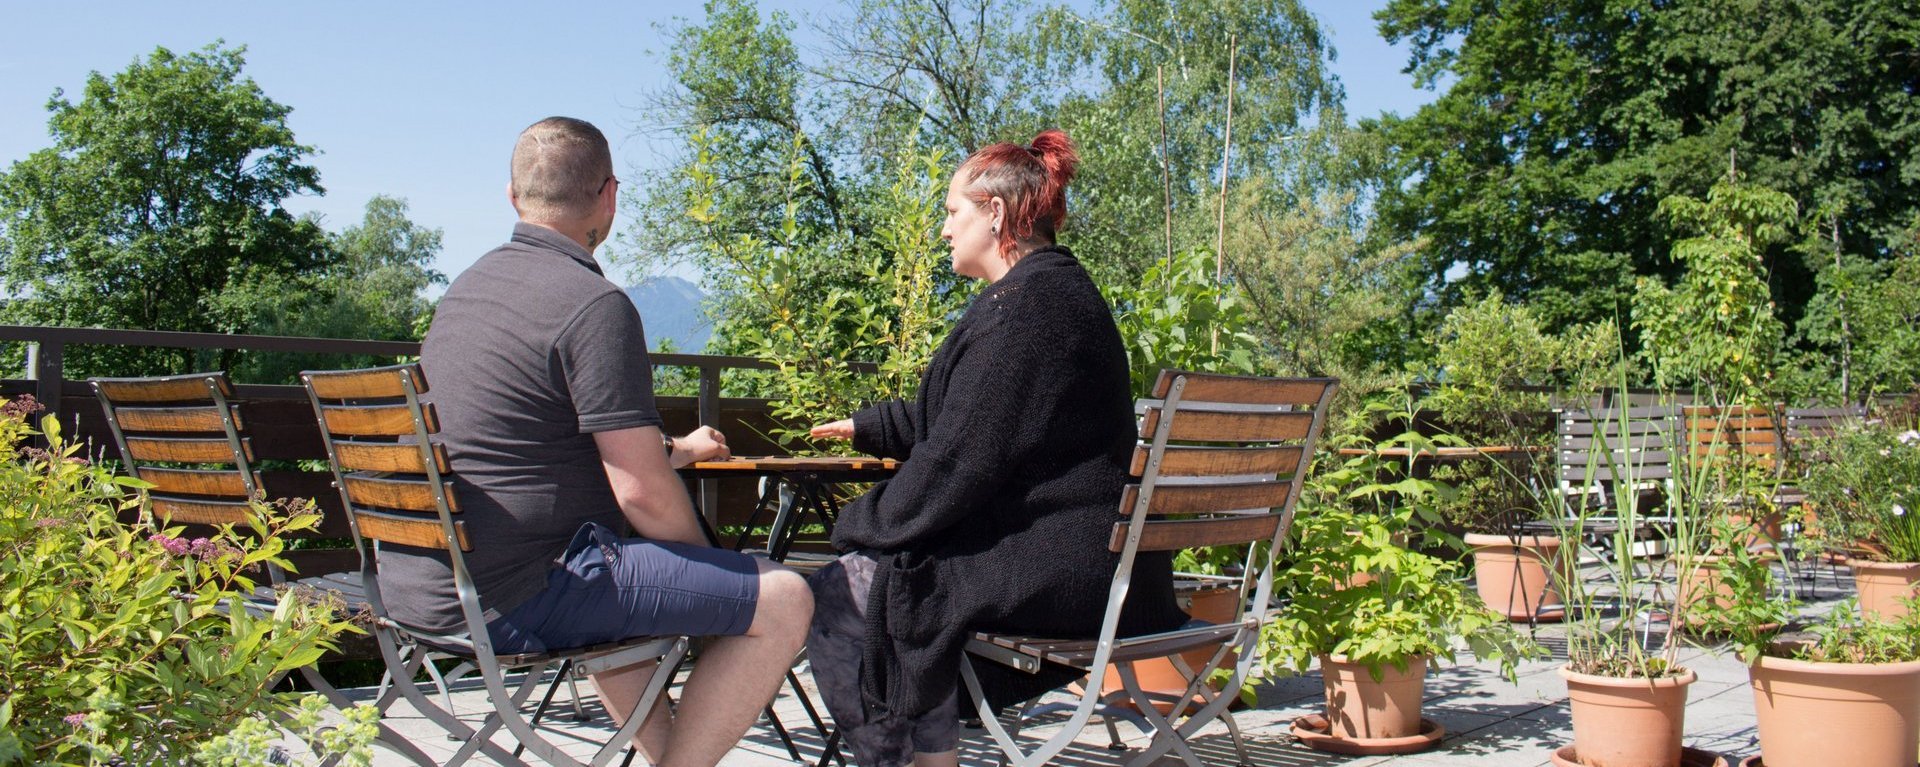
<point x="1863" y="494"/>
<point x="125" y="641"/>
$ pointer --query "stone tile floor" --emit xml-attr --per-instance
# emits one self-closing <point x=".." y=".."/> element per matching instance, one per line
<point x="1489" y="722"/>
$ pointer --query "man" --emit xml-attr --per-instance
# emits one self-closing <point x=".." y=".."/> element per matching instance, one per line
<point x="539" y="371"/>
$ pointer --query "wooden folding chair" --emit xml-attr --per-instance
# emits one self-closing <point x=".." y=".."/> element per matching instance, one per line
<point x="397" y="487"/>
<point x="189" y="423"/>
<point x="1220" y="464"/>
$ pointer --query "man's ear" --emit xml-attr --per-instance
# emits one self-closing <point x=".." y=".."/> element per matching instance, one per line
<point x="512" y="198"/>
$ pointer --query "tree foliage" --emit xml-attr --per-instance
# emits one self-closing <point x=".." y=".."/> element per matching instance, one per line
<point x="802" y="154"/>
<point x="160" y="199"/>
<point x="1541" y="169"/>
<point x="372" y="289"/>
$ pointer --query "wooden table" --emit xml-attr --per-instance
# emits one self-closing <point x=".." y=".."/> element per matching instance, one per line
<point x="802" y="485"/>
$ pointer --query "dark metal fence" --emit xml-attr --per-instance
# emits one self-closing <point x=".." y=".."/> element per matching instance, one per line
<point x="287" y="440"/>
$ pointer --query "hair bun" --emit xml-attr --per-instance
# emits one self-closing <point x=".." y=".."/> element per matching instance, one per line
<point x="1057" y="154"/>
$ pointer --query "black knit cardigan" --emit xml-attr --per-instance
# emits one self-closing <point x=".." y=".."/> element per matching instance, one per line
<point x="1015" y="454"/>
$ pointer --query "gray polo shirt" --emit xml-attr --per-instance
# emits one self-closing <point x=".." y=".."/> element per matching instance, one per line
<point x="531" y="351"/>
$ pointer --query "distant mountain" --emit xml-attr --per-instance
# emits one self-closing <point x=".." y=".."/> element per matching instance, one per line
<point x="670" y="310"/>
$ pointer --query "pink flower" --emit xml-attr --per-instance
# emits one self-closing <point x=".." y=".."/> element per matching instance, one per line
<point x="174" y="546"/>
<point x="75" y="720"/>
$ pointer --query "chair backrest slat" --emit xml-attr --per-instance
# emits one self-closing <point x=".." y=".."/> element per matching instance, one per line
<point x="376" y="420"/>
<point x="1190" y="461"/>
<point x="184" y="450"/>
<point x="388" y="457"/>
<point x="373" y="383"/>
<point x="200" y="512"/>
<point x="176" y="419"/>
<point x="197" y="481"/>
<point x="1176" y="534"/>
<point x="1245" y="390"/>
<point x="1211" y="498"/>
<point x="179" y="388"/>
<point x="403" y="494"/>
<point x="1805" y="424"/>
<point x="1231" y="425"/>
<point x="407" y="531"/>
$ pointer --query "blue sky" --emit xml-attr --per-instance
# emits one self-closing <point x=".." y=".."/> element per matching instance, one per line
<point x="421" y="100"/>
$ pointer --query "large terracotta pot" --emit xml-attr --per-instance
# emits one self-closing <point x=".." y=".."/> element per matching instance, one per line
<point x="1361" y="708"/>
<point x="1627" y="722"/>
<point x="1831" y="714"/>
<point x="1158" y="677"/>
<point x="1882" y="585"/>
<point x="1513" y="578"/>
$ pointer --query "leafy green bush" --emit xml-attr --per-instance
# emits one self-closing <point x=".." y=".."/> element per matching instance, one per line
<point x="124" y="640"/>
<point x="1495" y="367"/>
<point x="1358" y="587"/>
<point x="1178" y="316"/>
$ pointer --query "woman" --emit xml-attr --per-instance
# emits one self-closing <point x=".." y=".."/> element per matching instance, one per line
<point x="1015" y="454"/>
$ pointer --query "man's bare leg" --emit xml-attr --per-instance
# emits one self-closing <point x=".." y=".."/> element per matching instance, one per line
<point x="734" y="680"/>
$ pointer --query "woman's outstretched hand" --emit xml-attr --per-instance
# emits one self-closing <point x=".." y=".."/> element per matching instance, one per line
<point x="841" y="429"/>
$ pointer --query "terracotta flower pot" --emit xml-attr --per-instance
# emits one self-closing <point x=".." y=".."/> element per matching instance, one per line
<point x="1627" y="722"/>
<point x="1158" y="677"/>
<point x="1513" y="578"/>
<point x="1883" y="584"/>
<point x="1360" y="708"/>
<point x="1830" y="714"/>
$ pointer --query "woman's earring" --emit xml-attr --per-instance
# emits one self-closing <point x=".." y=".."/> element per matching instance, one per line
<point x="993" y="230"/>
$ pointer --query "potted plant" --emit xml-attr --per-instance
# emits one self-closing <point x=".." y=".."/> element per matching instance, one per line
<point x="1627" y="693"/>
<point x="1845" y="692"/>
<point x="1375" y="613"/>
<point x="1866" y="492"/>
<point x="1495" y="367"/>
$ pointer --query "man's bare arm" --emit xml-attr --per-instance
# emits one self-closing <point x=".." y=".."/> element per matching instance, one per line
<point x="650" y="494"/>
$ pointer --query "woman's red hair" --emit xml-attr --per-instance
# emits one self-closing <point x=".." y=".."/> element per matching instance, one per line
<point x="1030" y="180"/>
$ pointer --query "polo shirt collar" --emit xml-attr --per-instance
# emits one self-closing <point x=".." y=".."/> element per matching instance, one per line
<point x="534" y="235"/>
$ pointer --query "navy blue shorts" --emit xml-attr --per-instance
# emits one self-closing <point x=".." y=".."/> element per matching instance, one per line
<point x="606" y="588"/>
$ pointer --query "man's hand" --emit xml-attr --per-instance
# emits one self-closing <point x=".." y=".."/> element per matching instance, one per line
<point x="841" y="429"/>
<point x="703" y="444"/>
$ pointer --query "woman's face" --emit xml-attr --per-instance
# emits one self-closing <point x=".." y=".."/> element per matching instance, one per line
<point x="969" y="231"/>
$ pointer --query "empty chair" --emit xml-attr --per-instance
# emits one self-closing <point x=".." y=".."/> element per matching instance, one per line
<point x="1220" y="463"/>
<point x="184" y="435"/>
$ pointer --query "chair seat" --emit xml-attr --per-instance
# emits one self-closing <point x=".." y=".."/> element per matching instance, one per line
<point x="1078" y="653"/>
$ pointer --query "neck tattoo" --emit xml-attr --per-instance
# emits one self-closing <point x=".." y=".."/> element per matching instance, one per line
<point x="593" y="237"/>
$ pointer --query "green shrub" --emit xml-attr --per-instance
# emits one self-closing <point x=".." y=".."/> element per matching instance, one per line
<point x="1179" y="317"/>
<point x="122" y="640"/>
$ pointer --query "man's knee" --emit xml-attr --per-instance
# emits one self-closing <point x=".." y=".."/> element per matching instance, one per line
<point x="785" y="599"/>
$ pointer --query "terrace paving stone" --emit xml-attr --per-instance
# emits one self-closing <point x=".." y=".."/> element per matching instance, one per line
<point x="1490" y="722"/>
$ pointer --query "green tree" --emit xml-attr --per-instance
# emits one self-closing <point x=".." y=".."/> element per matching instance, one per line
<point x="1716" y="327"/>
<point x="373" y="289"/>
<point x="159" y="201"/>
<point x="1541" y="168"/>
<point x="803" y="153"/>
<point x="1862" y="328"/>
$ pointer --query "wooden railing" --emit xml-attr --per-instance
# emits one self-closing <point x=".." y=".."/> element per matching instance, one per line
<point x="282" y="426"/>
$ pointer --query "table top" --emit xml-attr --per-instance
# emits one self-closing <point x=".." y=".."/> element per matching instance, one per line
<point x="781" y="464"/>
